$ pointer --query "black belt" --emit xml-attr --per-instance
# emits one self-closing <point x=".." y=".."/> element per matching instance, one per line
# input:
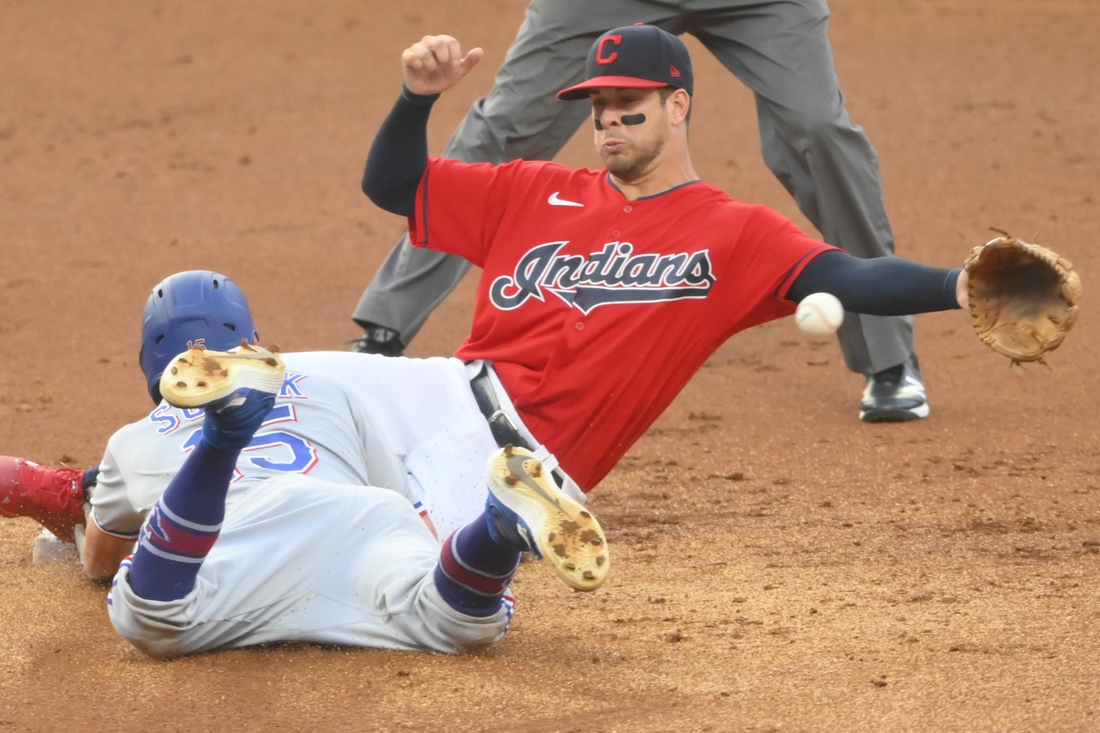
<point x="501" y="426"/>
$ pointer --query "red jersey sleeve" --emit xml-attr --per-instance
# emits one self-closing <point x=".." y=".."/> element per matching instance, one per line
<point x="459" y="206"/>
<point x="774" y="251"/>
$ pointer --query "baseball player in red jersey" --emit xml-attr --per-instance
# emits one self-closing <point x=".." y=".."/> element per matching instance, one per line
<point x="604" y="291"/>
<point x="778" y="49"/>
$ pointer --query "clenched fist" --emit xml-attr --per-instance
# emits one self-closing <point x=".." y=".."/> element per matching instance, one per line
<point x="435" y="64"/>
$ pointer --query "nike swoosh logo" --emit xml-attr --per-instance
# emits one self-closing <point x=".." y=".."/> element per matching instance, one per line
<point x="515" y="465"/>
<point x="555" y="201"/>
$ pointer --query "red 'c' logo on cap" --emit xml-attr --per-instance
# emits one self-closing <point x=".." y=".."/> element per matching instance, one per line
<point x="674" y="73"/>
<point x="605" y="60"/>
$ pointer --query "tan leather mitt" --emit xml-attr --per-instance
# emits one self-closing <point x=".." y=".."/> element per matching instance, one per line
<point x="1023" y="297"/>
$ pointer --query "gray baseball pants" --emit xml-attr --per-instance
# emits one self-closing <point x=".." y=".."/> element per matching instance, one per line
<point x="780" y="49"/>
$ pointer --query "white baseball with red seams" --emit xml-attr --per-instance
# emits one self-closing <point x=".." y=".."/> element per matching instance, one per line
<point x="819" y="313"/>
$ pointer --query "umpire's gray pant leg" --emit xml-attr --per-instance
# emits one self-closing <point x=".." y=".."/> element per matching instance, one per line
<point x="781" y="51"/>
<point x="520" y="118"/>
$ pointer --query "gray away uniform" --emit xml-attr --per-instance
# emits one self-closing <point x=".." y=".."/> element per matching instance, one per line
<point x="321" y="542"/>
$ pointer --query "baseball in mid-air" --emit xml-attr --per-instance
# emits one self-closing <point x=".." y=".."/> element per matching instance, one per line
<point x="819" y="313"/>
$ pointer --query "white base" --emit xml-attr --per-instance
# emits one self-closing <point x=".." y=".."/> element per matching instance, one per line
<point x="49" y="549"/>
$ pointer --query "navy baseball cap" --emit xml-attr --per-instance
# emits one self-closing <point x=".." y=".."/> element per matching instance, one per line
<point x="635" y="57"/>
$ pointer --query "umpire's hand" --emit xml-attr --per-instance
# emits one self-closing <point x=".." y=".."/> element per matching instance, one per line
<point x="436" y="63"/>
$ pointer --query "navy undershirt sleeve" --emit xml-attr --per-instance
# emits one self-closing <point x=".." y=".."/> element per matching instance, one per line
<point x="399" y="155"/>
<point x="882" y="286"/>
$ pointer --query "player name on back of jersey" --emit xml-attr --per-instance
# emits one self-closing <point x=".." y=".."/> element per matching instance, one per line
<point x="614" y="275"/>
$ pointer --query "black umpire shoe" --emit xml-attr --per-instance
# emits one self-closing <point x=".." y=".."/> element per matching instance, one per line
<point x="378" y="340"/>
<point x="895" y="394"/>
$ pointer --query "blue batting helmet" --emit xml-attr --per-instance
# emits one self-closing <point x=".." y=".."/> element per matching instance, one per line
<point x="186" y="310"/>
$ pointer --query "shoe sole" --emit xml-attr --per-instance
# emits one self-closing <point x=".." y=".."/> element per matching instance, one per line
<point x="564" y="533"/>
<point x="896" y="415"/>
<point x="198" y="377"/>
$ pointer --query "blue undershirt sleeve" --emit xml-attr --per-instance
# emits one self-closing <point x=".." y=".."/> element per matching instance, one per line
<point x="882" y="286"/>
<point x="399" y="155"/>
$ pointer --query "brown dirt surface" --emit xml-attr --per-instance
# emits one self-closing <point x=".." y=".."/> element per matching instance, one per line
<point x="778" y="566"/>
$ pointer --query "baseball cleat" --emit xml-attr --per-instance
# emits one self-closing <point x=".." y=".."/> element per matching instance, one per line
<point x="53" y="497"/>
<point x="199" y="377"/>
<point x="895" y="395"/>
<point x="531" y="514"/>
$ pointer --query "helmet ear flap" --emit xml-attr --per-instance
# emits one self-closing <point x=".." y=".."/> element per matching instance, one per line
<point x="154" y="391"/>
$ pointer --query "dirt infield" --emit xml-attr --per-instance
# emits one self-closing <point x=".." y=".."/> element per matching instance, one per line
<point x="779" y="566"/>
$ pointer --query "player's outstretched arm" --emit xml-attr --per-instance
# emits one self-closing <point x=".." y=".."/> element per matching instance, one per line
<point x="435" y="64"/>
<point x="883" y="286"/>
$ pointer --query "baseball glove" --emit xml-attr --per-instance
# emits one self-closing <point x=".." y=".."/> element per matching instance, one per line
<point x="1023" y="297"/>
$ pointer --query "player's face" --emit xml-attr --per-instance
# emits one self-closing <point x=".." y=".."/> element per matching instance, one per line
<point x="629" y="150"/>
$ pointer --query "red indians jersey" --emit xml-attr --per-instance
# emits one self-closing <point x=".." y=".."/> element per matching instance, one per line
<point x="596" y="310"/>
